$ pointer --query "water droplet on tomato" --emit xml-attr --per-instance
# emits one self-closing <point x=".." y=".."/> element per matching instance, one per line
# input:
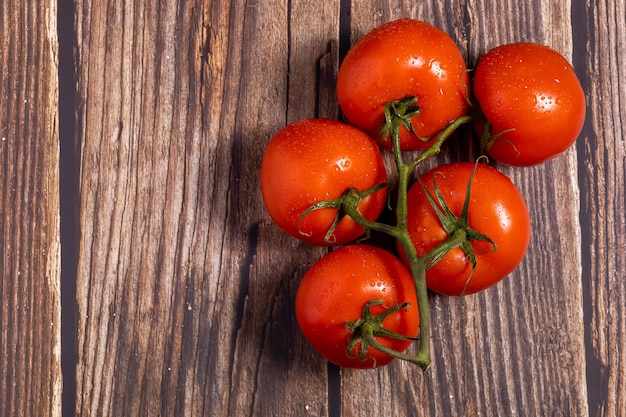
<point x="416" y="61"/>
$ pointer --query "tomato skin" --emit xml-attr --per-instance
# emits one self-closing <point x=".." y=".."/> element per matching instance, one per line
<point x="335" y="290"/>
<point x="314" y="160"/>
<point x="533" y="99"/>
<point x="496" y="209"/>
<point x="399" y="59"/>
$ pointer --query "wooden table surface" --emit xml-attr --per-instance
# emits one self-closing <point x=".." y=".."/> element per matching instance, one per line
<point x="141" y="276"/>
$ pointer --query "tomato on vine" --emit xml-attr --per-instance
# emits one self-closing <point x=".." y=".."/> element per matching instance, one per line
<point x="399" y="59"/>
<point x="353" y="298"/>
<point x="532" y="100"/>
<point x="494" y="220"/>
<point x="460" y="229"/>
<point x="317" y="160"/>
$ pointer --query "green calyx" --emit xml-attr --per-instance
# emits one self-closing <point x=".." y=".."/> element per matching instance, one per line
<point x="365" y="330"/>
<point x="346" y="205"/>
<point x="457" y="227"/>
<point x="487" y="138"/>
<point x="399" y="113"/>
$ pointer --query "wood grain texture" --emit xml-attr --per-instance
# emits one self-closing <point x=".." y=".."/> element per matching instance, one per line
<point x="30" y="345"/>
<point x="185" y="289"/>
<point x="488" y="347"/>
<point x="176" y="104"/>
<point x="141" y="289"/>
<point x="600" y="51"/>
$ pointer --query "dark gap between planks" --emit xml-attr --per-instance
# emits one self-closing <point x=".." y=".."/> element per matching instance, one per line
<point x="69" y="202"/>
<point x="582" y="18"/>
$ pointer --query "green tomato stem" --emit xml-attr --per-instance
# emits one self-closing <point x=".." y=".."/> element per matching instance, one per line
<point x="435" y="148"/>
<point x="418" y="271"/>
<point x="418" y="265"/>
<point x="397" y="115"/>
<point x="369" y="337"/>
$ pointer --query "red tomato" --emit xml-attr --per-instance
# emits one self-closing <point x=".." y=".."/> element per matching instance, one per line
<point x="399" y="59"/>
<point x="531" y="96"/>
<point x="314" y="160"/>
<point x="334" y="291"/>
<point x="496" y="209"/>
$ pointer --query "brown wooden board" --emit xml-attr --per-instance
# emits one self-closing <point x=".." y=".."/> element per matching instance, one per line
<point x="178" y="291"/>
<point x="599" y="49"/>
<point x="30" y="304"/>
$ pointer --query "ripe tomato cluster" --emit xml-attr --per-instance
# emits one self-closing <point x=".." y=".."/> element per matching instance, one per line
<point x="459" y="228"/>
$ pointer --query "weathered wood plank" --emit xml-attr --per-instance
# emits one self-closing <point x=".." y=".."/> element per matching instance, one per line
<point x="140" y="126"/>
<point x="144" y="150"/>
<point x="291" y="378"/>
<point x="30" y="344"/>
<point x="274" y="371"/>
<point x="185" y="288"/>
<point x="600" y="49"/>
<point x="176" y="103"/>
<point x="513" y="348"/>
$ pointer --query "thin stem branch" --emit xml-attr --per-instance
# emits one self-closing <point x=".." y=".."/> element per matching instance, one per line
<point x="398" y="114"/>
<point x="435" y="148"/>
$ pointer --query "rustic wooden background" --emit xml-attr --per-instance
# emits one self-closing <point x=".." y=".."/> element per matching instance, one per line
<point x="141" y="276"/>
